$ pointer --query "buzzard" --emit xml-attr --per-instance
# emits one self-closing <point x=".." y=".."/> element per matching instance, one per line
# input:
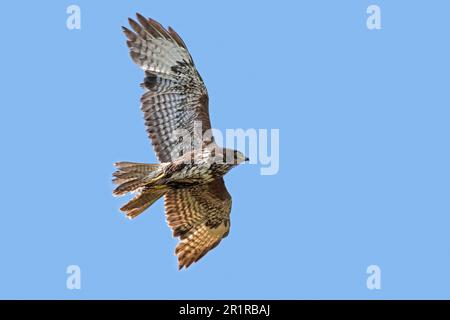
<point x="197" y="203"/>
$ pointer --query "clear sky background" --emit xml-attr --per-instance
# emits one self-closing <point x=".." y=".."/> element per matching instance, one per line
<point x="364" y="150"/>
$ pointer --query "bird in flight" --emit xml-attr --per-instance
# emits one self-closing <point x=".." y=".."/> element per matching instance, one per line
<point x="191" y="169"/>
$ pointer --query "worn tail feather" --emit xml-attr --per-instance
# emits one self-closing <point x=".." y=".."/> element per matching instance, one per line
<point x="142" y="201"/>
<point x="131" y="176"/>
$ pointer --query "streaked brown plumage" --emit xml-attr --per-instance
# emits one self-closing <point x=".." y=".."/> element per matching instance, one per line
<point x="197" y="203"/>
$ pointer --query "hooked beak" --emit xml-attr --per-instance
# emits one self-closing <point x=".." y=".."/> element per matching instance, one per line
<point x="246" y="159"/>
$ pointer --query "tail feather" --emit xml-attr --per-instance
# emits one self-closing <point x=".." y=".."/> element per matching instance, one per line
<point x="142" y="201"/>
<point x="121" y="177"/>
<point x="138" y="178"/>
<point x="129" y="186"/>
<point x="125" y="166"/>
<point x="131" y="176"/>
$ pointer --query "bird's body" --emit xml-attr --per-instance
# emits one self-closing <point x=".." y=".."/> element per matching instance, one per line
<point x="175" y="99"/>
<point x="185" y="172"/>
<point x="191" y="169"/>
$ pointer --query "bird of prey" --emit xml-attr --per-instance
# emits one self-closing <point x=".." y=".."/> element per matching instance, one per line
<point x="197" y="203"/>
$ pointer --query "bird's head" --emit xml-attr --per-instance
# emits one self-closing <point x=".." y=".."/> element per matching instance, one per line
<point x="233" y="157"/>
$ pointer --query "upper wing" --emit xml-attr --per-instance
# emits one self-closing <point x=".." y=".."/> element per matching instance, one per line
<point x="175" y="95"/>
<point x="200" y="216"/>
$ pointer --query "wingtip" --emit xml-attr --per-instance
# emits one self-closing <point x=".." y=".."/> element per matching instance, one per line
<point x="133" y="23"/>
<point x="140" y="16"/>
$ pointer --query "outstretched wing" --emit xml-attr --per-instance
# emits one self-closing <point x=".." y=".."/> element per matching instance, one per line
<point x="175" y="95"/>
<point x="200" y="216"/>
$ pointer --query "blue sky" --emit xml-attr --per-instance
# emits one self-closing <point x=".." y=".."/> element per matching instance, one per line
<point x="364" y="159"/>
